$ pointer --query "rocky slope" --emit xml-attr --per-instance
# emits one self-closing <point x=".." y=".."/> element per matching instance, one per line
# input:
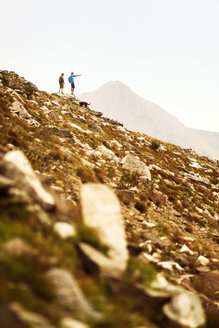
<point x="101" y="226"/>
<point x="119" y="102"/>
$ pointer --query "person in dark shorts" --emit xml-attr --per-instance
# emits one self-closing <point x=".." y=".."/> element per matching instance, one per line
<point x="71" y="80"/>
<point x="61" y="83"/>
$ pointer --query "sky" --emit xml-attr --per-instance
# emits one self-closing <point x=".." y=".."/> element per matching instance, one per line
<point x="167" y="51"/>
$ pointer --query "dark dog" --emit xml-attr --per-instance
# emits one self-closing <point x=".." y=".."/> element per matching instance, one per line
<point x="84" y="104"/>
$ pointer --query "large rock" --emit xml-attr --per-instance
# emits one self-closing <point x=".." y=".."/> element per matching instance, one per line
<point x="17" y="247"/>
<point x="72" y="323"/>
<point x="19" y="109"/>
<point x="17" y="167"/>
<point x="64" y="229"/>
<point x="97" y="263"/>
<point x="185" y="310"/>
<point x="107" y="153"/>
<point x="69" y="293"/>
<point x="101" y="210"/>
<point x="134" y="164"/>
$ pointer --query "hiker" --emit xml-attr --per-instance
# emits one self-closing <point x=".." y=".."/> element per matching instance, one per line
<point x="71" y="80"/>
<point x="61" y="83"/>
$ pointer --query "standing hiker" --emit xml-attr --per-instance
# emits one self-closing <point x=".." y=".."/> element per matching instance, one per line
<point x="61" y="83"/>
<point x="71" y="80"/>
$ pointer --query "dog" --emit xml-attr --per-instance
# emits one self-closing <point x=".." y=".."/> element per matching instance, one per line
<point x="84" y="104"/>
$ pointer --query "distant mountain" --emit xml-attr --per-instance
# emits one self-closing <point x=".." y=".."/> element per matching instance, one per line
<point x="119" y="102"/>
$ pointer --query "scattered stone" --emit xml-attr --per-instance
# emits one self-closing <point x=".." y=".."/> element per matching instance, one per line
<point x="185" y="309"/>
<point x="148" y="224"/>
<point x="72" y="323"/>
<point x="64" y="229"/>
<point x="41" y="216"/>
<point x="126" y="196"/>
<point x="53" y="115"/>
<point x="170" y="265"/>
<point x="203" y="269"/>
<point x="101" y="210"/>
<point x="96" y="128"/>
<point x="156" y="241"/>
<point x="19" y="109"/>
<point x="98" y="264"/>
<point x="157" y="197"/>
<point x="185" y="249"/>
<point x="107" y="153"/>
<point x="203" y="260"/>
<point x="17" y="247"/>
<point x="133" y="163"/>
<point x="69" y="293"/>
<point x="17" y="167"/>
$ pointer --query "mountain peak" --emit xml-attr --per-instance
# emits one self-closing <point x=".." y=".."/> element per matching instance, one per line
<point x="117" y="101"/>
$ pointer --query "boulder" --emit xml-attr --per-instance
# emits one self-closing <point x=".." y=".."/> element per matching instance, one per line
<point x="134" y="164"/>
<point x="69" y="293"/>
<point x="97" y="263"/>
<point x="17" y="167"/>
<point x="107" y="153"/>
<point x="17" y="247"/>
<point x="185" y="310"/>
<point x="64" y="229"/>
<point x="19" y="109"/>
<point x="101" y="211"/>
<point x="72" y="323"/>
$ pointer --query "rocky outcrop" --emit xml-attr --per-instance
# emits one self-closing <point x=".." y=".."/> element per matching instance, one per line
<point x="134" y="164"/>
<point x="69" y="293"/>
<point x="101" y="211"/>
<point x="14" y="81"/>
<point x="16" y="166"/>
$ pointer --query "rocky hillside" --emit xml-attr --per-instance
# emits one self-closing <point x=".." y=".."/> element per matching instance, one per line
<point x="101" y="226"/>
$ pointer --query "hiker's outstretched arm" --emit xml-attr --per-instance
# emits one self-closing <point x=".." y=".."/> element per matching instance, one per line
<point x="77" y="75"/>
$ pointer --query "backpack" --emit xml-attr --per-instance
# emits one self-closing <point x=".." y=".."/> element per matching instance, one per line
<point x="69" y="79"/>
<point x="61" y="80"/>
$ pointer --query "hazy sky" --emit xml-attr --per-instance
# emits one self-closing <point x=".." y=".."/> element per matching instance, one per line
<point x="167" y="51"/>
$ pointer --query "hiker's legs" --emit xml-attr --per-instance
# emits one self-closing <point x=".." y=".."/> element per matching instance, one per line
<point x="72" y="88"/>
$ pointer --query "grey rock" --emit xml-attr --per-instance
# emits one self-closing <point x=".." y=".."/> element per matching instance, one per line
<point x="101" y="211"/>
<point x="17" y="247"/>
<point x="17" y="167"/>
<point x="19" y="109"/>
<point x="97" y="263"/>
<point x="96" y="128"/>
<point x="53" y="114"/>
<point x="185" y="310"/>
<point x="72" y="323"/>
<point x="133" y="163"/>
<point x="69" y="293"/>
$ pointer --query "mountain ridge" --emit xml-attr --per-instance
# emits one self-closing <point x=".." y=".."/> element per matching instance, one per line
<point x="119" y="102"/>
